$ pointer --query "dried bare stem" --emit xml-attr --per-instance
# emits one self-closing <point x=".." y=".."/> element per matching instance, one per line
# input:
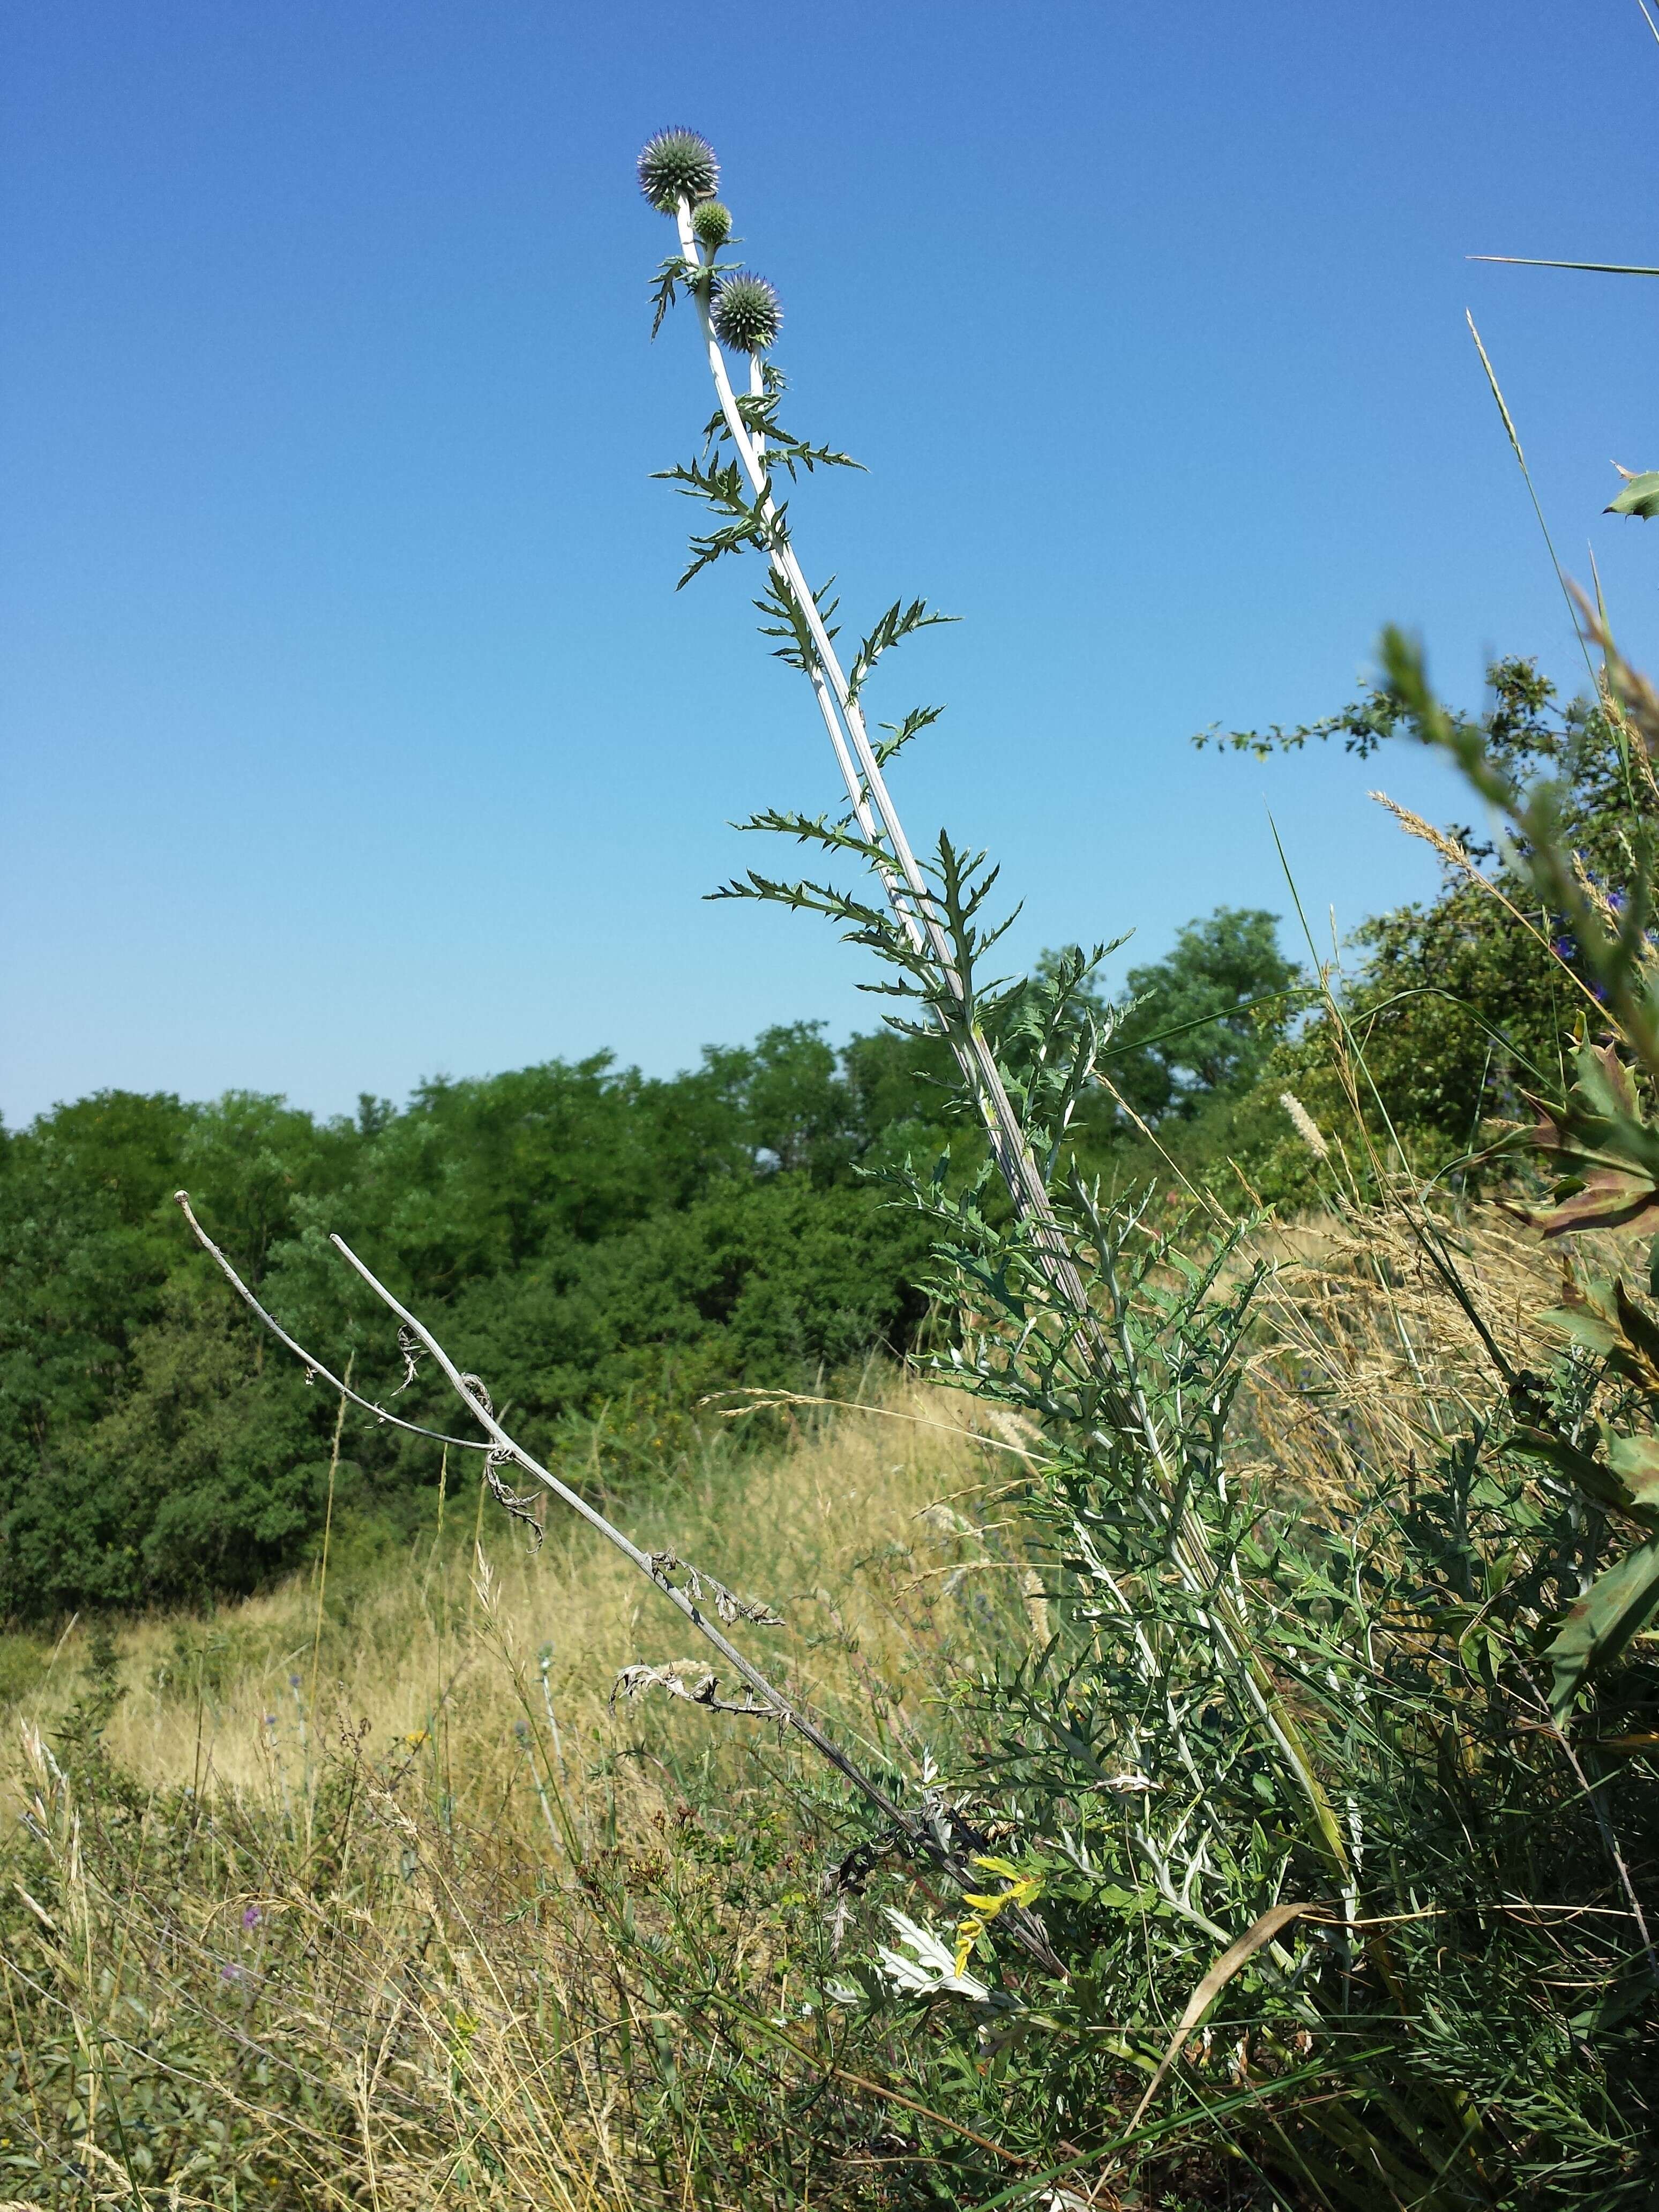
<point x="657" y="1567"/>
<point x="761" y="1400"/>
<point x="313" y="1366"/>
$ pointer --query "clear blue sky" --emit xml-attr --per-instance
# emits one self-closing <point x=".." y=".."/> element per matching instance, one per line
<point x="353" y="729"/>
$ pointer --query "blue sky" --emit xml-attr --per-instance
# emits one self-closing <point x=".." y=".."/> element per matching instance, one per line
<point x="354" y="731"/>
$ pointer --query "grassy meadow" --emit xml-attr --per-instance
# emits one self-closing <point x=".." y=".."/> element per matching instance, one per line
<point x="367" y="1891"/>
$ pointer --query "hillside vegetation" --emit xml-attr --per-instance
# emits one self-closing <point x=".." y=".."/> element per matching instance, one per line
<point x="608" y="1247"/>
<point x="1050" y="1609"/>
<point x="611" y="1249"/>
<point x="369" y="1890"/>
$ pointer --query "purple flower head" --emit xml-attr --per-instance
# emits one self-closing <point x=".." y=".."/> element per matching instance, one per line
<point x="252" y="1916"/>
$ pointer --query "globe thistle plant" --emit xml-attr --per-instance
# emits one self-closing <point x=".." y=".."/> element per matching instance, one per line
<point x="677" y="167"/>
<point x="746" y="312"/>
<point x="935" y="933"/>
<point x="1270" y="1696"/>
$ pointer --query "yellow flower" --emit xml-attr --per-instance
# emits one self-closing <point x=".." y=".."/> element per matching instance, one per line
<point x="1023" y="1889"/>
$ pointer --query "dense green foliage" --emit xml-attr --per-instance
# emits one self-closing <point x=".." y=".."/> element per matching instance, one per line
<point x="606" y="1249"/>
<point x="1458" y="1006"/>
<point x="603" y="1247"/>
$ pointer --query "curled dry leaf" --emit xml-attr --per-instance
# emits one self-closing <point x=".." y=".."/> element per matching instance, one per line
<point x="682" y="1678"/>
<point x="727" y="1603"/>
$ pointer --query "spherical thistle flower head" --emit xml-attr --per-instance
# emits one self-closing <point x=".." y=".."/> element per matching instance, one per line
<point x="712" y="224"/>
<point x="676" y="165"/>
<point x="746" y="312"/>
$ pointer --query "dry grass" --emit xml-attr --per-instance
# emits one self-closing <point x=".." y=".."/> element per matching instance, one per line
<point x="852" y="1531"/>
<point x="1364" y="1355"/>
<point x="385" y="1913"/>
<point x="422" y="1937"/>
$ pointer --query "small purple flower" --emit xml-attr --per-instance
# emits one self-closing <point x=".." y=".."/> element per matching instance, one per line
<point x="252" y="1916"/>
<point x="231" y="1974"/>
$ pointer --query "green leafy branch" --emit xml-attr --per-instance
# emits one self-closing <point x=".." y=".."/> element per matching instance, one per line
<point x="898" y="622"/>
<point x="758" y="522"/>
<point x="960" y="885"/>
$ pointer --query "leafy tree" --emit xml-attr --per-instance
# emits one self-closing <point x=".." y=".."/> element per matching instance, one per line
<point x="200" y="1481"/>
<point x="593" y="1239"/>
<point x="258" y="1155"/>
<point x="86" y="1261"/>
<point x="1463" y="1000"/>
<point x="596" y="1235"/>
<point x="1196" y="1028"/>
<point x="787" y="1095"/>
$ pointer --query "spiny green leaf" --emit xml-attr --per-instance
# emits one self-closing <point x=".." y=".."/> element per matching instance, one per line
<point x="898" y="622"/>
<point x="1640" y="496"/>
<point x="1635" y="1460"/>
<point x="788" y="620"/>
<point x="1604" y="1317"/>
<point x="899" y="734"/>
<point x="1608" y="1153"/>
<point x="1600" y="1625"/>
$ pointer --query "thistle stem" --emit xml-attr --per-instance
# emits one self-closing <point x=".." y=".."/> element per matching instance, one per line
<point x="907" y="894"/>
<point x="914" y="909"/>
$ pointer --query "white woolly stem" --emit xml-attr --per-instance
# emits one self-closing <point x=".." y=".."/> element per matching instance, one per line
<point x="914" y="909"/>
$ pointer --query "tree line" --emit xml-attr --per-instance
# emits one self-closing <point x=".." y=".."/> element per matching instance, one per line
<point x="607" y="1248"/>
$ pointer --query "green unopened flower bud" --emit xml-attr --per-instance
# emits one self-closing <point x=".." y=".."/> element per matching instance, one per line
<point x="676" y="165"/>
<point x="712" y="224"/>
<point x="746" y="312"/>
